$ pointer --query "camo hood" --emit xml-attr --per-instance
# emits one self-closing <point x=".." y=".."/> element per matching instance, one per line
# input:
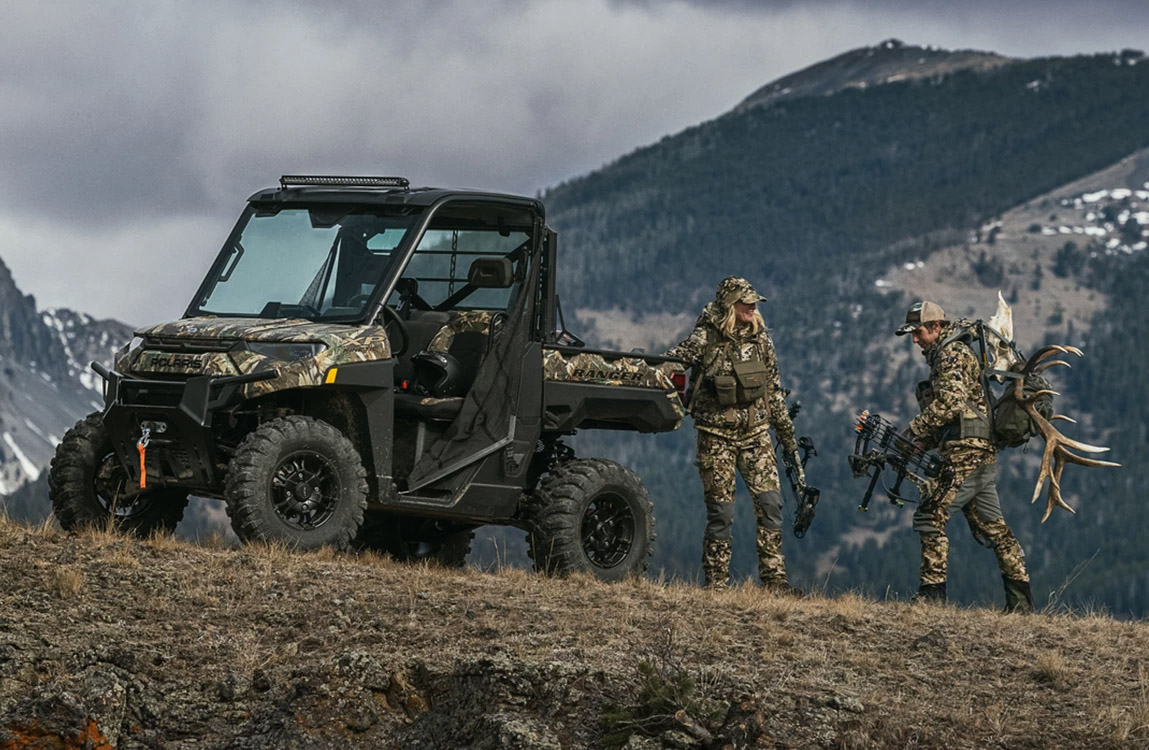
<point x="301" y="351"/>
<point x="736" y="289"/>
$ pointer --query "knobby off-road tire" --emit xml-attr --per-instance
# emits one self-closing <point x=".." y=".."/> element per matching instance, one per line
<point x="88" y="487"/>
<point x="299" y="481"/>
<point x="399" y="538"/>
<point x="591" y="515"/>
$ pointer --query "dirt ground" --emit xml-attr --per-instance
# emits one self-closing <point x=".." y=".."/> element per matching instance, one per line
<point x="107" y="641"/>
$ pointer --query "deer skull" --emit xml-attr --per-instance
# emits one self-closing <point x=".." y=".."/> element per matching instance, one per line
<point x="1000" y="338"/>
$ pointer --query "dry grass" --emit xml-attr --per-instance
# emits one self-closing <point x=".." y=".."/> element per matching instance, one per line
<point x="1051" y="669"/>
<point x="67" y="581"/>
<point x="848" y="672"/>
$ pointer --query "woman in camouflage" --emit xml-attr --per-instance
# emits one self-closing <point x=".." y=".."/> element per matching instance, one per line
<point x="735" y="397"/>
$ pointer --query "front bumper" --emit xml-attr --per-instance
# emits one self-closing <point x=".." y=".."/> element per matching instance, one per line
<point x="182" y="448"/>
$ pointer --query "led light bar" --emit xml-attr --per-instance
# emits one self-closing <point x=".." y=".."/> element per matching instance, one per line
<point x="295" y="180"/>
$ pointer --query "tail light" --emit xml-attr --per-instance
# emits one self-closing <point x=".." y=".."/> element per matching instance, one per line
<point x="679" y="380"/>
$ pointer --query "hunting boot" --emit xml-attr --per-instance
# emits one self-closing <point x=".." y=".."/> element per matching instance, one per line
<point x="783" y="588"/>
<point x="1018" y="597"/>
<point x="931" y="592"/>
<point x="716" y="554"/>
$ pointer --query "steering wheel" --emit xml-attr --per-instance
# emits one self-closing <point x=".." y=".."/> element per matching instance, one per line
<point x="401" y="327"/>
<point x="358" y="300"/>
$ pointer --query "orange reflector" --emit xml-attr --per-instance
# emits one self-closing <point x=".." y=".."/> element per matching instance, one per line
<point x="331" y="375"/>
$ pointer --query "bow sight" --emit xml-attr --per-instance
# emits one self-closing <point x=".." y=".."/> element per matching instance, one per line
<point x="880" y="444"/>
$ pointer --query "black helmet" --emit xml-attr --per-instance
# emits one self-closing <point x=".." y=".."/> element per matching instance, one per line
<point x="437" y="374"/>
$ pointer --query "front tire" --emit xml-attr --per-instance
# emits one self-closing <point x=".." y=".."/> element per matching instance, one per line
<point x="88" y="487"/>
<point x="299" y="481"/>
<point x="594" y="516"/>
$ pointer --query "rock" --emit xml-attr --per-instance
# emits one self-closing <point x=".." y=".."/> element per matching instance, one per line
<point x="362" y="715"/>
<point x="58" y="720"/>
<point x="228" y="689"/>
<point x="639" y="742"/>
<point x="936" y="638"/>
<point x="846" y="703"/>
<point x="364" y="668"/>
<point x="678" y="740"/>
<point x="504" y="731"/>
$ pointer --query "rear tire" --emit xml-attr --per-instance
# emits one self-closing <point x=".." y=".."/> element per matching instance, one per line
<point x="299" y="481"/>
<point x="593" y="516"/>
<point x="88" y="487"/>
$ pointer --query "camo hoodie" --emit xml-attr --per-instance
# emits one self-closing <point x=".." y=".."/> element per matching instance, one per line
<point x="709" y="352"/>
<point x="954" y="372"/>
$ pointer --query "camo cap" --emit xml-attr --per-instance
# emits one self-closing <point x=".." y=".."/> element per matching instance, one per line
<point x="736" y="289"/>
<point x="920" y="312"/>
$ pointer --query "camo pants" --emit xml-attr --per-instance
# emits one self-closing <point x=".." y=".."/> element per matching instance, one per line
<point x="718" y="459"/>
<point x="973" y="489"/>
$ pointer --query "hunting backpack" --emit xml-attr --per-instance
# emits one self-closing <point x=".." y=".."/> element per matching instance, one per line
<point x="1010" y="426"/>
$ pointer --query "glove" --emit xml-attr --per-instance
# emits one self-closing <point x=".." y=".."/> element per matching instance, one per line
<point x="797" y="470"/>
<point x="916" y="440"/>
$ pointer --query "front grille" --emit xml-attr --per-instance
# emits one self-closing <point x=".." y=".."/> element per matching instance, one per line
<point x="199" y="346"/>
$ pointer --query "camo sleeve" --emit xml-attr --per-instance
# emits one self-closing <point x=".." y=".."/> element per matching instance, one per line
<point x="692" y="347"/>
<point x="956" y="368"/>
<point x="779" y="414"/>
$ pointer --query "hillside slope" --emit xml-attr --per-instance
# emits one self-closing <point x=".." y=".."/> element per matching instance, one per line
<point x="109" y="642"/>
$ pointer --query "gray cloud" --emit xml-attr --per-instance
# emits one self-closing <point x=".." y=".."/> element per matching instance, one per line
<point x="131" y="131"/>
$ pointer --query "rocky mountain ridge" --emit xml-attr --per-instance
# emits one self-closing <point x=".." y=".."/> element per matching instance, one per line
<point x="46" y="384"/>
<point x="891" y="61"/>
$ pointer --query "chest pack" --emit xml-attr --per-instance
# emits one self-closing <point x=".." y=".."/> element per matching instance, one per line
<point x="1007" y="425"/>
<point x="746" y="385"/>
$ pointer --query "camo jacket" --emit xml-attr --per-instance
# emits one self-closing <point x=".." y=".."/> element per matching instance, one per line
<point x="957" y="391"/>
<point x="708" y="353"/>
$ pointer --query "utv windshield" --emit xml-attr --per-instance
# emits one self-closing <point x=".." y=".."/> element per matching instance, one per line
<point x="319" y="263"/>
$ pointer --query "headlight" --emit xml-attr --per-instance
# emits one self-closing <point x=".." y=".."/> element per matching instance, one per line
<point x="287" y="351"/>
<point x="135" y="343"/>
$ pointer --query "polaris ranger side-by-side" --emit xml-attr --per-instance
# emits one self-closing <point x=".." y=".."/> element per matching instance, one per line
<point x="372" y="365"/>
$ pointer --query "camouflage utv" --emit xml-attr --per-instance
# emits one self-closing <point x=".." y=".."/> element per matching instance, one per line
<point x="372" y="365"/>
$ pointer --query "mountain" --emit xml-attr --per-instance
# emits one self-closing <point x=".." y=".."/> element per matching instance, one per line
<point x="45" y="382"/>
<point x="842" y="203"/>
<point x="889" y="62"/>
<point x="108" y="641"/>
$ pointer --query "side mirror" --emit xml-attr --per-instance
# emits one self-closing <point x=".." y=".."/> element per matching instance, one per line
<point x="491" y="273"/>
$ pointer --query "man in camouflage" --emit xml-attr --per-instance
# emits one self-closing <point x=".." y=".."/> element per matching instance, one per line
<point x="955" y="418"/>
<point x="734" y="402"/>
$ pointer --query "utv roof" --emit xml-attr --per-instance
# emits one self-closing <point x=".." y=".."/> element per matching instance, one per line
<point x="382" y="190"/>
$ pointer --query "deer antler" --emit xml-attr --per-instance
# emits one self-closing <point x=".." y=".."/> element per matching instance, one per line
<point x="1057" y="446"/>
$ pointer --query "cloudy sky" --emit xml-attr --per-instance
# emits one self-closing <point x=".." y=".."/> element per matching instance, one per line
<point x="132" y="131"/>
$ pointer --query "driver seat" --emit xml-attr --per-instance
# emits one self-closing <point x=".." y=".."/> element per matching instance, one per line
<point x="421" y="327"/>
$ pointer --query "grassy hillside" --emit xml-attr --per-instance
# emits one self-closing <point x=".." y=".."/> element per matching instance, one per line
<point x="107" y="641"/>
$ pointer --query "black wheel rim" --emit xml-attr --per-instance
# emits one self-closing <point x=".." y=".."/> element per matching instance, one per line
<point x="305" y="490"/>
<point x="608" y="527"/>
<point x="112" y="493"/>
